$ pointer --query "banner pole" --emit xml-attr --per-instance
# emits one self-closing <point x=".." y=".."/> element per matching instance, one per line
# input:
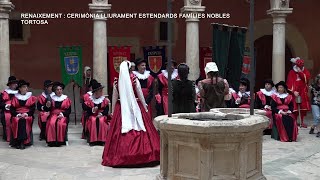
<point x="252" y="54"/>
<point x="169" y="66"/>
<point x="74" y="104"/>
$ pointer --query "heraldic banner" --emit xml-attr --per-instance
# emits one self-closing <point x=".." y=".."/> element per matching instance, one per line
<point x="205" y="57"/>
<point x="71" y="64"/>
<point x="155" y="56"/>
<point x="116" y="56"/>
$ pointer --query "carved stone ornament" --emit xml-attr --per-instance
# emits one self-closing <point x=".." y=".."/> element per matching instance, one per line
<point x="195" y="2"/>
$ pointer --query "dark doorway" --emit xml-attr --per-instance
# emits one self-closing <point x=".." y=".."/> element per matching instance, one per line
<point x="263" y="47"/>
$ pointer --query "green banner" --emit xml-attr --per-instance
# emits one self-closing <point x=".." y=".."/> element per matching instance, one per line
<point x="71" y="64"/>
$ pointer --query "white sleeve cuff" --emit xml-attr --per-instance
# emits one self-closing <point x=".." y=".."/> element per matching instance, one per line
<point x="42" y="108"/>
<point x="18" y="115"/>
<point x="280" y="112"/>
<point x="289" y="111"/>
<point x="100" y="114"/>
<point x="92" y="110"/>
<point x="61" y="114"/>
<point x="7" y="107"/>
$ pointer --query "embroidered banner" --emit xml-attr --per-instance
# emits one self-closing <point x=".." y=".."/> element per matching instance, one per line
<point x="71" y="64"/>
<point x="116" y="56"/>
<point x="155" y="56"/>
<point x="205" y="56"/>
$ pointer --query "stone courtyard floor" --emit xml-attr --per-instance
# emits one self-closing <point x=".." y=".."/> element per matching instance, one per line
<point x="78" y="161"/>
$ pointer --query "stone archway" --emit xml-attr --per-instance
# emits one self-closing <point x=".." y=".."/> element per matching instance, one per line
<point x="294" y="39"/>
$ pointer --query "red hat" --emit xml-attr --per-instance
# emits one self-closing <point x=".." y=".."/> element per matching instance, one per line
<point x="298" y="61"/>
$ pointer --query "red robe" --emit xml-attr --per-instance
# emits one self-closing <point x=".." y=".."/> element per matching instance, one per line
<point x="97" y="128"/>
<point x="298" y="81"/>
<point x="164" y="93"/>
<point x="56" y="129"/>
<point x="286" y="124"/>
<point x="85" y="98"/>
<point x="244" y="103"/>
<point x="18" y="107"/>
<point x="263" y="100"/>
<point x="6" y="113"/>
<point x="43" y="115"/>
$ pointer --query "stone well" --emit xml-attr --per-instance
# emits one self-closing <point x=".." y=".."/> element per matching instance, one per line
<point x="221" y="144"/>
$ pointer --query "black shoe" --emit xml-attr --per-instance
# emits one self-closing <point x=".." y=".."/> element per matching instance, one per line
<point x="318" y="134"/>
<point x="22" y="146"/>
<point x="311" y="130"/>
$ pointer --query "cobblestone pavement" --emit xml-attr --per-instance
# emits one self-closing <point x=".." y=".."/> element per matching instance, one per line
<point x="295" y="160"/>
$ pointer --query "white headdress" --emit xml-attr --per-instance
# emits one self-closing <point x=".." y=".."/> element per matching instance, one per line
<point x="130" y="112"/>
<point x="211" y="67"/>
<point x="294" y="60"/>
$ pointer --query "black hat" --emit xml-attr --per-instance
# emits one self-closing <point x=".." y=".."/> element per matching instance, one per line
<point x="56" y="84"/>
<point x="96" y="86"/>
<point x="22" y="83"/>
<point x="245" y="82"/>
<point x="269" y="81"/>
<point x="47" y="83"/>
<point x="282" y="83"/>
<point x="173" y="62"/>
<point x="92" y="82"/>
<point x="12" y="80"/>
<point x="139" y="61"/>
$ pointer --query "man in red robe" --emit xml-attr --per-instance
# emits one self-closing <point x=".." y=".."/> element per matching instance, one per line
<point x="297" y="82"/>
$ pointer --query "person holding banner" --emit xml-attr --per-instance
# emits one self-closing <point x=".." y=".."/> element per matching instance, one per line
<point x="5" y="103"/>
<point x="263" y="101"/>
<point x="96" y="108"/>
<point x="146" y="82"/>
<point x="297" y="82"/>
<point x="57" y="123"/>
<point x="213" y="89"/>
<point x="242" y="98"/>
<point x="43" y="99"/>
<point x="162" y="95"/>
<point x="285" y="126"/>
<point x="85" y="98"/>
<point x="22" y="108"/>
<point x="132" y="139"/>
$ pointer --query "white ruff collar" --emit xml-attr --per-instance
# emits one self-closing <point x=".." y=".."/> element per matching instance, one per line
<point x="282" y="96"/>
<point x="44" y="95"/>
<point x="59" y="99"/>
<point x="97" y="101"/>
<point x="295" y="68"/>
<point x="267" y="93"/>
<point x="241" y="94"/>
<point x="90" y="93"/>
<point x="173" y="75"/>
<point x="143" y="76"/>
<point x="23" y="97"/>
<point x="10" y="91"/>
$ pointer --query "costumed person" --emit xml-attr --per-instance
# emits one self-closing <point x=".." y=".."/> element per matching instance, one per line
<point x="97" y="108"/>
<point x="22" y="109"/>
<point x="132" y="139"/>
<point x="87" y="76"/>
<point x="315" y="105"/>
<point x="162" y="83"/>
<point x="297" y="82"/>
<point x="263" y="101"/>
<point x="146" y="82"/>
<point x="213" y="89"/>
<point x="43" y="99"/>
<point x="285" y="126"/>
<point x="57" y="123"/>
<point x="183" y="92"/>
<point x="242" y="98"/>
<point x="6" y="97"/>
<point x="85" y="98"/>
<point x="228" y="97"/>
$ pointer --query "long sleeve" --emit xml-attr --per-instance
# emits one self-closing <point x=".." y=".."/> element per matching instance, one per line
<point x="291" y="106"/>
<point x="2" y="103"/>
<point x="258" y="103"/>
<point x="233" y="103"/>
<point x="31" y="110"/>
<point x="87" y="109"/>
<point x="140" y="94"/>
<point x="304" y="76"/>
<point x="67" y="112"/>
<point x="115" y="96"/>
<point x="105" y="112"/>
<point x="13" y="111"/>
<point x="39" y="106"/>
<point x="150" y="94"/>
<point x="274" y="108"/>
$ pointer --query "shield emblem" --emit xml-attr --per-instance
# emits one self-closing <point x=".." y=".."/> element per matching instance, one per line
<point x="206" y="60"/>
<point x="117" y="61"/>
<point x="155" y="63"/>
<point x="71" y="64"/>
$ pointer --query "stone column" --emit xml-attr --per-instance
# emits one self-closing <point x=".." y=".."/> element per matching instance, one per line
<point x="279" y="10"/>
<point x="100" y="59"/>
<point x="192" y="36"/>
<point x="5" y="8"/>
